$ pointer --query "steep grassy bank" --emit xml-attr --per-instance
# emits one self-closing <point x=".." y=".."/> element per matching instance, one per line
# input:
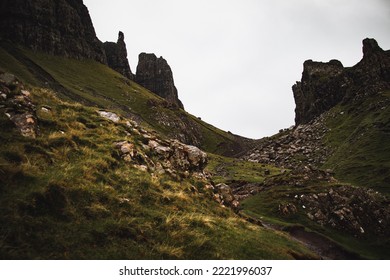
<point x="360" y="137"/>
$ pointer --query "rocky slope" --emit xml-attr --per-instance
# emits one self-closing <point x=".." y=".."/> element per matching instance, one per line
<point x="155" y="74"/>
<point x="79" y="182"/>
<point x="335" y="159"/>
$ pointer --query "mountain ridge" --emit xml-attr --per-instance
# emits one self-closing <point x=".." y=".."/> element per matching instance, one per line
<point x="120" y="165"/>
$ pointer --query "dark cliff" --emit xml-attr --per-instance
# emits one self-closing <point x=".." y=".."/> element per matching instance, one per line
<point x="61" y="27"/>
<point x="324" y="85"/>
<point x="155" y="74"/>
<point x="117" y="56"/>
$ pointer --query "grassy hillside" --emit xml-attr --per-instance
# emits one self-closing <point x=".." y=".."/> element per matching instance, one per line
<point x="67" y="195"/>
<point x="95" y="84"/>
<point x="360" y="138"/>
<point x="358" y="134"/>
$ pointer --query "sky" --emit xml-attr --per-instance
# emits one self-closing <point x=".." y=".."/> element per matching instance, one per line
<point x="234" y="61"/>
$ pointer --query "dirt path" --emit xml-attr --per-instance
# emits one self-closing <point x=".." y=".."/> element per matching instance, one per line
<point x="325" y="248"/>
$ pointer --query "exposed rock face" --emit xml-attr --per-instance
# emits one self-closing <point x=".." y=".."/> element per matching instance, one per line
<point x="16" y="104"/>
<point x="61" y="27"/>
<point x="117" y="56"/>
<point x="155" y="74"/>
<point x="324" y="85"/>
<point x="319" y="90"/>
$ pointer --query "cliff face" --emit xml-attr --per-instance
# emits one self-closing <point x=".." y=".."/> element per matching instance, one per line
<point x="64" y="27"/>
<point x="61" y="27"/>
<point x="324" y="85"/>
<point x="155" y="74"/>
<point x="319" y="90"/>
<point x="117" y="56"/>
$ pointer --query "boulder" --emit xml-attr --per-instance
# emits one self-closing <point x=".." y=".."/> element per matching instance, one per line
<point x="109" y="116"/>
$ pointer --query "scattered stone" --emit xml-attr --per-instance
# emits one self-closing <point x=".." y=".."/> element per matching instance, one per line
<point x="109" y="116"/>
<point x="349" y="209"/>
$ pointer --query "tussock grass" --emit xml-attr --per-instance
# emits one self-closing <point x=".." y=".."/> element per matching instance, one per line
<point x="66" y="195"/>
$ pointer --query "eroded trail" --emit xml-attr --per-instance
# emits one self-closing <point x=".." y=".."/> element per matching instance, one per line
<point x="321" y="245"/>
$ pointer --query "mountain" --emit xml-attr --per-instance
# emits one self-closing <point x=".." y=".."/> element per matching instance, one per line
<point x="99" y="163"/>
<point x="79" y="74"/>
<point x="91" y="166"/>
<point x="336" y="157"/>
<point x="79" y="182"/>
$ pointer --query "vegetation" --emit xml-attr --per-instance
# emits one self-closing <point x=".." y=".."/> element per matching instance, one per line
<point x="67" y="195"/>
<point x="265" y="206"/>
<point x="360" y="137"/>
<point x="227" y="170"/>
<point x="93" y="83"/>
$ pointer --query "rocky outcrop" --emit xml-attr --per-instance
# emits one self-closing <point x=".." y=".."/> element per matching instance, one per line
<point x="320" y="89"/>
<point x="358" y="211"/>
<point x="162" y="156"/>
<point x="61" y="27"/>
<point x="16" y="104"/>
<point x="324" y="85"/>
<point x="117" y="56"/>
<point x="155" y="74"/>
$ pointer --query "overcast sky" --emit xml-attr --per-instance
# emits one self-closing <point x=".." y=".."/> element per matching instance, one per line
<point x="234" y="61"/>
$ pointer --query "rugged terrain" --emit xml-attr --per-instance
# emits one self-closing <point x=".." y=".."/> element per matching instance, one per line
<point x="338" y="155"/>
<point x="95" y="160"/>
<point x="80" y="182"/>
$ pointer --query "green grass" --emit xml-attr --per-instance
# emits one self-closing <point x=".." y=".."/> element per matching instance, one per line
<point x="264" y="206"/>
<point x="360" y="137"/>
<point x="12" y="65"/>
<point x="95" y="84"/>
<point x="225" y="170"/>
<point x="67" y="195"/>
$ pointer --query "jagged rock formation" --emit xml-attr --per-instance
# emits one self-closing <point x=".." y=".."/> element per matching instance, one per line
<point x="117" y="56"/>
<point x="65" y="28"/>
<point x="62" y="27"/>
<point x="324" y="85"/>
<point x="155" y="74"/>
<point x="319" y="90"/>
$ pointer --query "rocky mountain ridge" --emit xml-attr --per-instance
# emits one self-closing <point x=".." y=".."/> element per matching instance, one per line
<point x="324" y="85"/>
<point x="65" y="28"/>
